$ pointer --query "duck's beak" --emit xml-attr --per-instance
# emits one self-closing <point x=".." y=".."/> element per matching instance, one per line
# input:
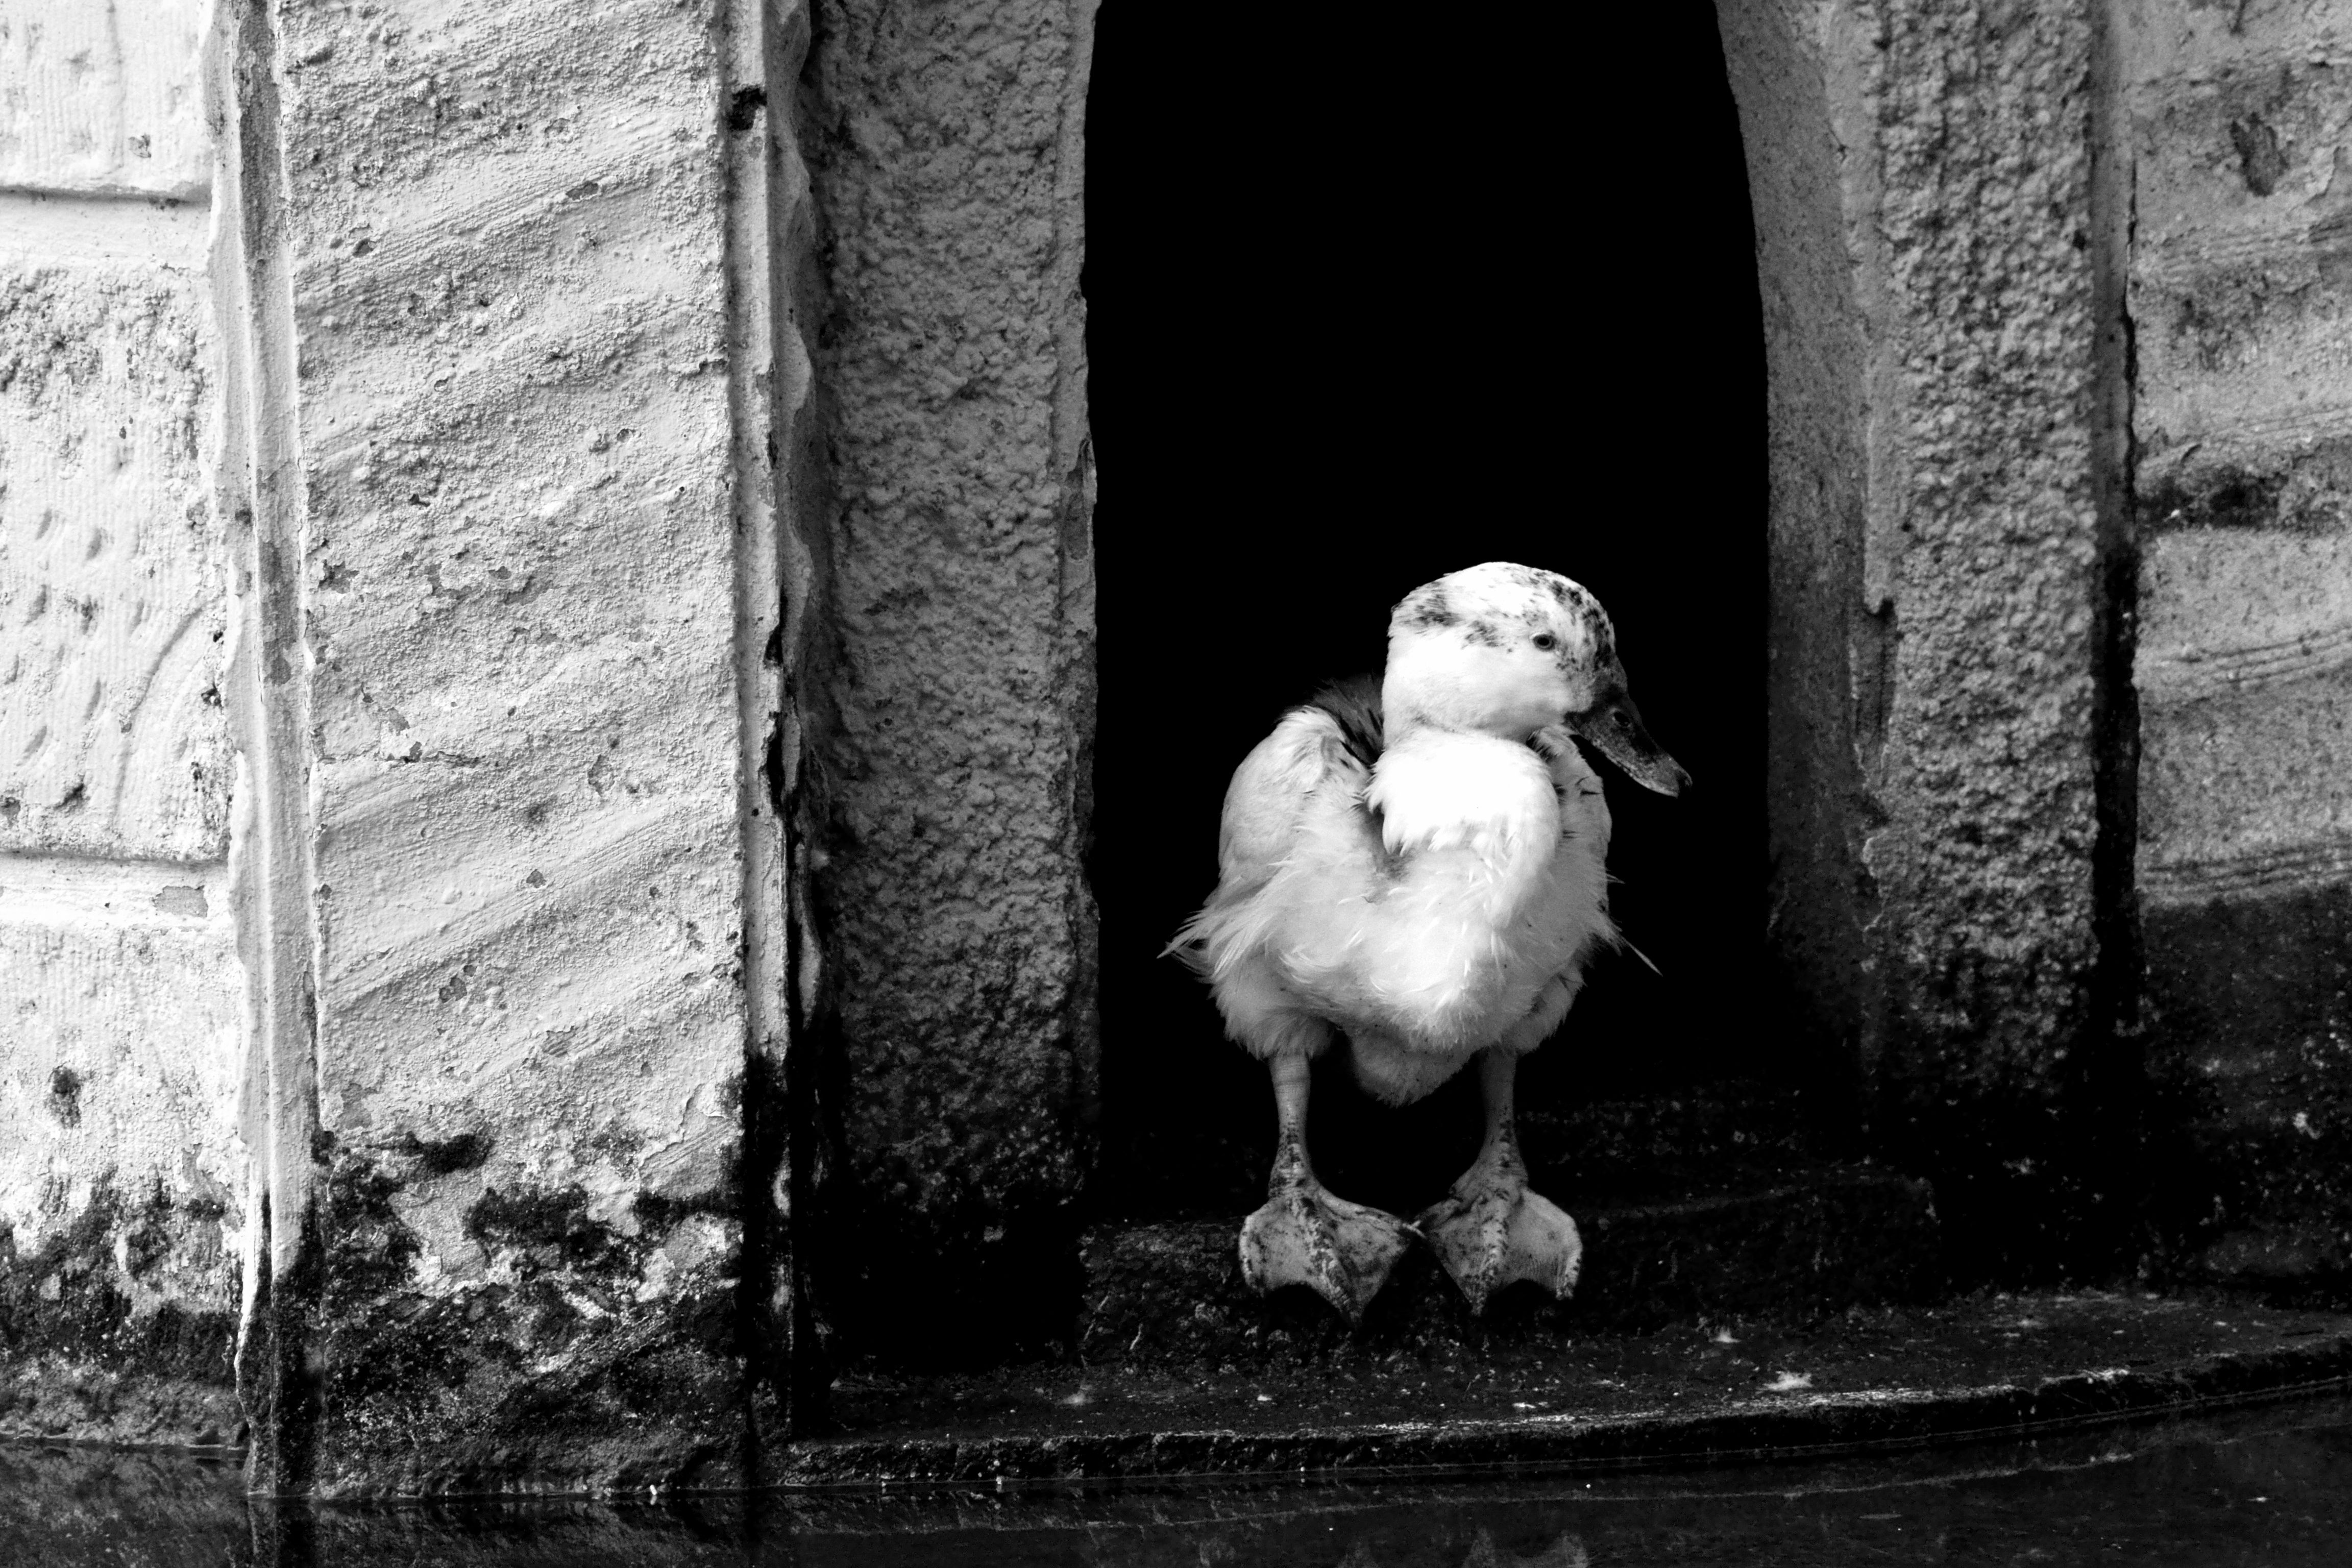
<point x="1615" y="727"/>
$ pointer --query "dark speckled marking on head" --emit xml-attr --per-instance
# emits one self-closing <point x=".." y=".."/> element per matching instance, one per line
<point x="1425" y="608"/>
<point x="1578" y="600"/>
<point x="1503" y="596"/>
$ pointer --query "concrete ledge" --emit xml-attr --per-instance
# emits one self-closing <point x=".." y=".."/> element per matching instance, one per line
<point x="1993" y="1369"/>
<point x="1990" y="1367"/>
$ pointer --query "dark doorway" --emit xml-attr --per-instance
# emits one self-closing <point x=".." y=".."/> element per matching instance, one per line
<point x="1375" y="296"/>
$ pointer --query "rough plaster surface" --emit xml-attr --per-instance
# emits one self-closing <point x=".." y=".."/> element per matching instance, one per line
<point x="99" y="97"/>
<point x="1987" y="775"/>
<point x="2242" y="145"/>
<point x="111" y="735"/>
<point x="1934" y="504"/>
<point x="2243" y="142"/>
<point x="944" y="146"/>
<point x="515" y="585"/>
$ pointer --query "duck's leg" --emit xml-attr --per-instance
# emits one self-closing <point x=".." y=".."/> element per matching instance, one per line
<point x="1304" y="1235"/>
<point x="1490" y="1229"/>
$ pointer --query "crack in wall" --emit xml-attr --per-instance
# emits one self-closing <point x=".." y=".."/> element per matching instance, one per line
<point x="768" y="393"/>
<point x="2110" y="1077"/>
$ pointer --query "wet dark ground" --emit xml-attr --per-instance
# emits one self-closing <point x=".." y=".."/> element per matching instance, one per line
<point x="2046" y="1428"/>
<point x="2270" y="1484"/>
<point x="1418" y="1401"/>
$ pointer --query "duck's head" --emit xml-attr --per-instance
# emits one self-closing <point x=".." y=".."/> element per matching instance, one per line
<point x="1505" y="650"/>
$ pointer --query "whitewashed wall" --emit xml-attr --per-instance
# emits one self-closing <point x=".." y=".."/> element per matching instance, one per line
<point x="121" y="1174"/>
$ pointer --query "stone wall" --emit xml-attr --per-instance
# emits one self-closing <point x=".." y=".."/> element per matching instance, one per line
<point x="2060" y="843"/>
<point x="1922" y="176"/>
<point x="473" y="490"/>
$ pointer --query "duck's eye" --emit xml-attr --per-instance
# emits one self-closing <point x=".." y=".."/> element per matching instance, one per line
<point x="1546" y="640"/>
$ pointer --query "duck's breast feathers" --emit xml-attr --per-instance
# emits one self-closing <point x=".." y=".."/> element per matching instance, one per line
<point x="1438" y="791"/>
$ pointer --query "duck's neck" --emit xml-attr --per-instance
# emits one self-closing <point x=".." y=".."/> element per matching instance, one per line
<point x="1428" y="690"/>
<point x="1413" y="723"/>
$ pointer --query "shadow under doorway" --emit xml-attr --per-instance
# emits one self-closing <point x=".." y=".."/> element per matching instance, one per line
<point x="1368" y="304"/>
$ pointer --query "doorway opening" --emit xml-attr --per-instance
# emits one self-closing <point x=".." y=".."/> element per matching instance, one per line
<point x="1371" y="301"/>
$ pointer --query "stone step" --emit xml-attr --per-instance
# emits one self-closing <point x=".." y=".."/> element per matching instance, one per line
<point x="1808" y="1241"/>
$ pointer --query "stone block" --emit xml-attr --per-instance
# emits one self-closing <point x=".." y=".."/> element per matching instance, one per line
<point x="111" y="574"/>
<point x="2245" y="641"/>
<point x="513" y="398"/>
<point x="103" y="98"/>
<point x="121" y="1174"/>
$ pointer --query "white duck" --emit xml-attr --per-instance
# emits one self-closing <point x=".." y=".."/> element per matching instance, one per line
<point x="1423" y="872"/>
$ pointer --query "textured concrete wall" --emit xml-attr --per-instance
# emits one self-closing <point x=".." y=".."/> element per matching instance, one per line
<point x="1923" y="191"/>
<point x="2242" y="292"/>
<point x="1988" y="772"/>
<point x="945" y="148"/>
<point x="121" y="1174"/>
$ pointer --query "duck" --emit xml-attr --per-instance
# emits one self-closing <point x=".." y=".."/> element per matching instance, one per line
<point x="1418" y="867"/>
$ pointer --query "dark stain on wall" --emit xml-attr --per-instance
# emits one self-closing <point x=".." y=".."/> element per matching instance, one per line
<point x="2261" y="162"/>
<point x="2250" y="1068"/>
<point x="77" y="1355"/>
<point x="64" y="1096"/>
<point x="548" y="1366"/>
<point x="2225" y="496"/>
<point x="465" y="1151"/>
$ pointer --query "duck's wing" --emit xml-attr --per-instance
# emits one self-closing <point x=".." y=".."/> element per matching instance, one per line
<point x="1582" y="862"/>
<point x="1309" y="756"/>
<point x="1583" y="809"/>
<point x="1307" y="769"/>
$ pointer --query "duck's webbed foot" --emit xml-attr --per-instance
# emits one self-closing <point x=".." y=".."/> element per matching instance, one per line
<point x="1490" y="1230"/>
<point x="1305" y="1236"/>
